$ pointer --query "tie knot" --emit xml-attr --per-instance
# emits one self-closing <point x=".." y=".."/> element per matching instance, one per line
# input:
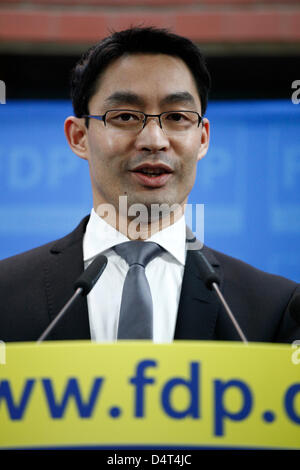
<point x="137" y="252"/>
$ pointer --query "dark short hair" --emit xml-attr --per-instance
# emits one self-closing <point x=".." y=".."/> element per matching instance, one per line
<point x="85" y="75"/>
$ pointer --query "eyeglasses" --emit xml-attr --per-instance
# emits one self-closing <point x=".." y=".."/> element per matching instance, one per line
<point x="171" y="122"/>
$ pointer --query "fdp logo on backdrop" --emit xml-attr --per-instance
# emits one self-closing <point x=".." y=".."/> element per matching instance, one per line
<point x="283" y="157"/>
<point x="44" y="185"/>
<point x="283" y="153"/>
<point x="222" y="176"/>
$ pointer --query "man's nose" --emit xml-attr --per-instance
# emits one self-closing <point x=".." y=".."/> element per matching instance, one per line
<point x="152" y="137"/>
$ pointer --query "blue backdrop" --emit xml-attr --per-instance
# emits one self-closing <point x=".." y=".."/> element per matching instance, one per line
<point x="249" y="180"/>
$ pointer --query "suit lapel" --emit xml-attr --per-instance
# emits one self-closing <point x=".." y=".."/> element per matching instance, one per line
<point x="198" y="306"/>
<point x="64" y="266"/>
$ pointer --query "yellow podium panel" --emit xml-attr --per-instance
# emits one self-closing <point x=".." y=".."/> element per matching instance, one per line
<point x="185" y="394"/>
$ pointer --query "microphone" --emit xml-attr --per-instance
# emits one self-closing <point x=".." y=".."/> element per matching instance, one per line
<point x="212" y="281"/>
<point x="295" y="309"/>
<point x="82" y="286"/>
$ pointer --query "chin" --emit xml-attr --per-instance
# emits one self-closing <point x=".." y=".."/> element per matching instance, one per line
<point x="156" y="207"/>
<point x="147" y="197"/>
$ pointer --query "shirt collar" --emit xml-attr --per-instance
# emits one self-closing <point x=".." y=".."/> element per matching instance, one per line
<point x="100" y="236"/>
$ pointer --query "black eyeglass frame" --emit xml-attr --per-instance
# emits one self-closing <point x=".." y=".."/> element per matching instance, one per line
<point x="102" y="117"/>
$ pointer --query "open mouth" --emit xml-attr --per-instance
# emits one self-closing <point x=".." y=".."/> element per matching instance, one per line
<point x="152" y="175"/>
<point x="152" y="172"/>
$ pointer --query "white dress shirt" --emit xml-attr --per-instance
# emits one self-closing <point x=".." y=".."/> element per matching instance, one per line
<point x="164" y="275"/>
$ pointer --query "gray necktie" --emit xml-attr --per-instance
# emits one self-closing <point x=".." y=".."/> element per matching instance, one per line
<point x="136" y="312"/>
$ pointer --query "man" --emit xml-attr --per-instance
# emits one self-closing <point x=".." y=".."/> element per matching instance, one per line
<point x="139" y="98"/>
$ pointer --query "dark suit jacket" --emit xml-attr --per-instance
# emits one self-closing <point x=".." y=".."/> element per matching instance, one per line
<point x="35" y="285"/>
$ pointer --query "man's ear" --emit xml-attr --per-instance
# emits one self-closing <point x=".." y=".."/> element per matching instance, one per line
<point x="204" y="139"/>
<point x="76" y="134"/>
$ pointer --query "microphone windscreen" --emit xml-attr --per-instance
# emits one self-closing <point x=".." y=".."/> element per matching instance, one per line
<point x="90" y="276"/>
<point x="295" y="309"/>
<point x="205" y="269"/>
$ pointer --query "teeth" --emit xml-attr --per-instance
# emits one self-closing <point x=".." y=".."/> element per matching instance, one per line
<point x="152" y="171"/>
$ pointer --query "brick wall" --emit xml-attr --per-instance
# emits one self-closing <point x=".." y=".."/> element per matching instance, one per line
<point x="205" y="21"/>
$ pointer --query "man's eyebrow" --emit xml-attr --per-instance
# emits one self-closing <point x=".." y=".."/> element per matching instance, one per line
<point x="120" y="98"/>
<point x="179" y="97"/>
<point x="124" y="97"/>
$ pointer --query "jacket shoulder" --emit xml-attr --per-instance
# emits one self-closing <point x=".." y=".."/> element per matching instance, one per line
<point x="259" y="300"/>
<point x="31" y="259"/>
<point x="236" y="271"/>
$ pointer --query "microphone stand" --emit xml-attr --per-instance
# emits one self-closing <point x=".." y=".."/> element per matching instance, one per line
<point x="82" y="286"/>
<point x="229" y="312"/>
<point x="70" y="302"/>
<point x="212" y="281"/>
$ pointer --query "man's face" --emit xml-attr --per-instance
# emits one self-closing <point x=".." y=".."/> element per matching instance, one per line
<point x="152" y="83"/>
